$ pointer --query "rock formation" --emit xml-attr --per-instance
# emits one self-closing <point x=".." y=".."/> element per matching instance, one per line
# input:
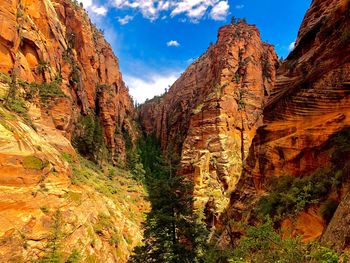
<point x="45" y="40"/>
<point x="55" y="69"/>
<point x="211" y="113"/>
<point x="231" y="109"/>
<point x="308" y="105"/>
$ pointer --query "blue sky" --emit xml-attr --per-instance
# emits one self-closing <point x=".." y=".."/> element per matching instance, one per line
<point x="155" y="40"/>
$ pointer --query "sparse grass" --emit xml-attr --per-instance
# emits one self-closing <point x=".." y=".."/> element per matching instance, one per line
<point x="35" y="163"/>
<point x="74" y="257"/>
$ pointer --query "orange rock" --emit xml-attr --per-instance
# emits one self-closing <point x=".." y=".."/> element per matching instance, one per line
<point x="308" y="105"/>
<point x="47" y="29"/>
<point x="308" y="224"/>
<point x="211" y="112"/>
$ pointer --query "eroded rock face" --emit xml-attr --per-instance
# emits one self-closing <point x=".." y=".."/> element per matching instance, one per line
<point x="45" y="40"/>
<point x="43" y="206"/>
<point x="211" y="113"/>
<point x="308" y="105"/>
<point x="46" y="204"/>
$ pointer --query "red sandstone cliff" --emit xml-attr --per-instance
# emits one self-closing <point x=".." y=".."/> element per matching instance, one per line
<point x="231" y="109"/>
<point x="211" y="113"/>
<point x="40" y="40"/>
<point x="309" y="104"/>
<point x="55" y="66"/>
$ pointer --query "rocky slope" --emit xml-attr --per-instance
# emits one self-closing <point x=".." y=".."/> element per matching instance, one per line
<point x="60" y="82"/>
<point x="308" y="106"/>
<point x="210" y="114"/>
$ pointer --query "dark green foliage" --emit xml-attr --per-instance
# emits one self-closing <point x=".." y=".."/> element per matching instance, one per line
<point x="68" y="56"/>
<point x="262" y="244"/>
<point x="134" y="165"/>
<point x="88" y="138"/>
<point x="17" y="105"/>
<point x="133" y="159"/>
<point x="340" y="150"/>
<point x="14" y="101"/>
<point x="48" y="91"/>
<point x="289" y="195"/>
<point x="53" y="254"/>
<point x="172" y="231"/>
<point x="328" y="208"/>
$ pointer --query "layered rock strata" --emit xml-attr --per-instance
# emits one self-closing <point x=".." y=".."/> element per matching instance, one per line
<point x="211" y="113"/>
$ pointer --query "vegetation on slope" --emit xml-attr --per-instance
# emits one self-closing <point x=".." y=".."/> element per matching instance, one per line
<point x="173" y="232"/>
<point x="289" y="195"/>
<point x="263" y="244"/>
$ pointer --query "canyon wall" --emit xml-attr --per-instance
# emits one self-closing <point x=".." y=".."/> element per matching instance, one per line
<point x="210" y="114"/>
<point x="238" y="118"/>
<point x="41" y="41"/>
<point x="56" y="69"/>
<point x="308" y="106"/>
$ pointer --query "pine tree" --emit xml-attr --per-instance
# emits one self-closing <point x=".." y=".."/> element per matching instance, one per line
<point x="172" y="230"/>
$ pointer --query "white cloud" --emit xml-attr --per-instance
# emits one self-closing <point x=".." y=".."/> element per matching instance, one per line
<point x="90" y="6"/>
<point x="194" y="10"/>
<point x="141" y="89"/>
<point x="173" y="43"/>
<point x="124" y="20"/>
<point x="99" y="10"/>
<point x="220" y="11"/>
<point x="239" y="6"/>
<point x="291" y="46"/>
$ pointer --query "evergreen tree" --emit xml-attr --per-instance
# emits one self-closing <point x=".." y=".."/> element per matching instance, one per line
<point x="173" y="232"/>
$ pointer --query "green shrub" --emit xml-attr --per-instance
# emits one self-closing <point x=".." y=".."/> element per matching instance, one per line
<point x="32" y="162"/>
<point x="135" y="165"/>
<point x="290" y="195"/>
<point x="47" y="91"/>
<point x="263" y="243"/>
<point x="17" y="105"/>
<point x="104" y="222"/>
<point x="88" y="138"/>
